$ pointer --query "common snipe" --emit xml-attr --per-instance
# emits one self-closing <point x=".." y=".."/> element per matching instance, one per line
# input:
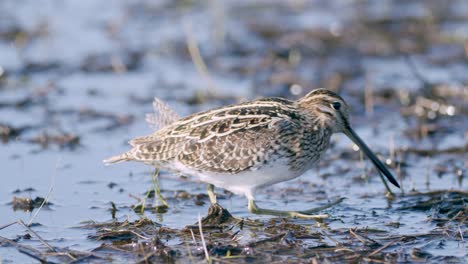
<point x="251" y="145"/>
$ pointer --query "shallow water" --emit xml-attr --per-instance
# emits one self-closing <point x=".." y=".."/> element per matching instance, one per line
<point x="74" y="92"/>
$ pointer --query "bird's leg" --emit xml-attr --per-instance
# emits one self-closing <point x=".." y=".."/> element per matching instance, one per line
<point x="211" y="194"/>
<point x="253" y="208"/>
<point x="157" y="188"/>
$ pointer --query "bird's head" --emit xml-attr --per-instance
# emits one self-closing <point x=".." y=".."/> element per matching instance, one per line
<point x="327" y="109"/>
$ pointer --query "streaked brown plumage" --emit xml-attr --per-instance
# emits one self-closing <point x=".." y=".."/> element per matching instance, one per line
<point x="250" y="145"/>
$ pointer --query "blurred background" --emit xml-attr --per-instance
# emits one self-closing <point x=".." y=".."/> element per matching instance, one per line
<point x="78" y="77"/>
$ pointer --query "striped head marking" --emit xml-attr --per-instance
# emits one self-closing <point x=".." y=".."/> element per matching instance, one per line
<point x="331" y="110"/>
<point x="328" y="107"/>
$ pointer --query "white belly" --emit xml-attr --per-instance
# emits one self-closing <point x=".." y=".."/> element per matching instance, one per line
<point x="245" y="182"/>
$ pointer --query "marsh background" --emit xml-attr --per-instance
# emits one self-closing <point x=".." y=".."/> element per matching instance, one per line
<point x="77" y="77"/>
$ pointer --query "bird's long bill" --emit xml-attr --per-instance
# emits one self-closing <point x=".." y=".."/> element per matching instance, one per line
<point x="378" y="164"/>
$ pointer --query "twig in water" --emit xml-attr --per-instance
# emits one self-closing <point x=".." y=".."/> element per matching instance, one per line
<point x="207" y="255"/>
<point x="384" y="247"/>
<point x="138" y="235"/>
<point x="37" y="235"/>
<point x="371" y="260"/>
<point x="337" y="243"/>
<point x="27" y="250"/>
<point x="46" y="200"/>
<point x="193" y="236"/>
<point x="7" y="225"/>
<point x="43" y="241"/>
<point x="364" y="240"/>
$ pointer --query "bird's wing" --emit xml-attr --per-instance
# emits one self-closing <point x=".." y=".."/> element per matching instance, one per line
<point x="230" y="151"/>
<point x="229" y="139"/>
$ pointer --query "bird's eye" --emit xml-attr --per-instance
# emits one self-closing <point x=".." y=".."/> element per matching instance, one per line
<point x="336" y="105"/>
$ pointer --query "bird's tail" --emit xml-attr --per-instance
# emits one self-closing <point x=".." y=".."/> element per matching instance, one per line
<point x="117" y="159"/>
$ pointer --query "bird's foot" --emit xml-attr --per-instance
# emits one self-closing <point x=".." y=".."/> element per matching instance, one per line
<point x="306" y="214"/>
<point x="323" y="207"/>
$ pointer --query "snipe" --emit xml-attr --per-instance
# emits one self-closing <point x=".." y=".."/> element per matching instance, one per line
<point x="251" y="145"/>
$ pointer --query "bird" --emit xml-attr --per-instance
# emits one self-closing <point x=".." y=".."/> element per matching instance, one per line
<point x="247" y="146"/>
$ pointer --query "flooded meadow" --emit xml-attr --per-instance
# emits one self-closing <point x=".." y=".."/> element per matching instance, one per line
<point x="77" y="79"/>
